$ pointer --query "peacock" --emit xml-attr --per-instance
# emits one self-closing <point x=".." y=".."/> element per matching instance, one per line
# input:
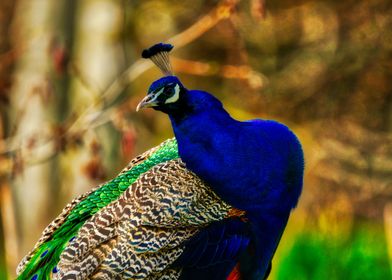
<point x="211" y="203"/>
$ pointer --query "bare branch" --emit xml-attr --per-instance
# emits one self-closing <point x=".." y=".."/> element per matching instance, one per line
<point x="94" y="116"/>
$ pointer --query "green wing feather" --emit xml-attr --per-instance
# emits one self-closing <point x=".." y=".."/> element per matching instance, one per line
<point x="42" y="261"/>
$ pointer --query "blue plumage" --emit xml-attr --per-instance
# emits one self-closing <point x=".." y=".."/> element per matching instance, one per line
<point x="212" y="253"/>
<point x="221" y="241"/>
<point x="256" y="166"/>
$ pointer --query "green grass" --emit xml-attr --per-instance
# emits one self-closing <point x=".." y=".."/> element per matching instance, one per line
<point x="361" y="256"/>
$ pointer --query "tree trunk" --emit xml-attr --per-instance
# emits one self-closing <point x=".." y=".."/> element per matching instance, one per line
<point x="34" y="109"/>
<point x="96" y="62"/>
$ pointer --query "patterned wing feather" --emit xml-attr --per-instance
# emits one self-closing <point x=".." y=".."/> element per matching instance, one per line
<point x="143" y="232"/>
<point x="133" y="226"/>
<point x="42" y="260"/>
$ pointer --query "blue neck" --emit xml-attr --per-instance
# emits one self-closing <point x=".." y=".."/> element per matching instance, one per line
<point x="203" y="130"/>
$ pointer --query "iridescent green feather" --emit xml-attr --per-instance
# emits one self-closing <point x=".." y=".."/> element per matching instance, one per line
<point x="45" y="258"/>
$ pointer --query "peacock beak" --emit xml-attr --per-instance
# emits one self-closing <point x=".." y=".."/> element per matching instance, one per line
<point x="149" y="101"/>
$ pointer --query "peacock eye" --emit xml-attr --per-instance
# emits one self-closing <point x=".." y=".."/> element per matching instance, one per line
<point x="172" y="94"/>
<point x="169" y="91"/>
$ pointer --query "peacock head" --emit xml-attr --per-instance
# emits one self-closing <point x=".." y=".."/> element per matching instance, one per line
<point x="166" y="93"/>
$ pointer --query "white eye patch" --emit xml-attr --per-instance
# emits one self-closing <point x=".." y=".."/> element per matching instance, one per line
<point x="175" y="96"/>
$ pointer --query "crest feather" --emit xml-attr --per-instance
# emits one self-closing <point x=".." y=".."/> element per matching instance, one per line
<point x="159" y="54"/>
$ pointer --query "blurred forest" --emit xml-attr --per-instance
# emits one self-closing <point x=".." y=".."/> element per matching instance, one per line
<point x="71" y="76"/>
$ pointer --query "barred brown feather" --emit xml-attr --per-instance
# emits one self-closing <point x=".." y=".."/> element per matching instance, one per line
<point x="140" y="235"/>
<point x="56" y="223"/>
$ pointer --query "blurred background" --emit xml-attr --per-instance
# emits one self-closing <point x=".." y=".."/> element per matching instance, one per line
<point x="71" y="76"/>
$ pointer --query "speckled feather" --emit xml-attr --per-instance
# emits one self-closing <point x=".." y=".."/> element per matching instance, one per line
<point x="83" y="207"/>
<point x="130" y="227"/>
<point x="145" y="226"/>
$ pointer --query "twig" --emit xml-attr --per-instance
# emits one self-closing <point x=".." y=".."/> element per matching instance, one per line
<point x="242" y="72"/>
